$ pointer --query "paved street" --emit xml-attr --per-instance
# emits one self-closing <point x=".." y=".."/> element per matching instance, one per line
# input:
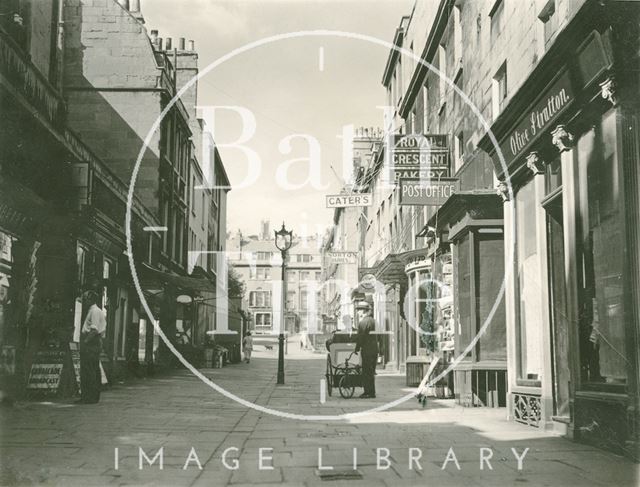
<point x="68" y="444"/>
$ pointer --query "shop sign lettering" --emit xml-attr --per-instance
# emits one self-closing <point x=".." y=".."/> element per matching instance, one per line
<point x="539" y="118"/>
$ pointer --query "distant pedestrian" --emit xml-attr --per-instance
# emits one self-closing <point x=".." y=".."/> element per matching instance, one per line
<point x="301" y="344"/>
<point x="247" y="343"/>
<point x="91" y="335"/>
<point x="367" y="344"/>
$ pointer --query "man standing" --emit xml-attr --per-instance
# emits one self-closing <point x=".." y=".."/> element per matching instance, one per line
<point x="367" y="344"/>
<point x="247" y="343"/>
<point x="93" y="330"/>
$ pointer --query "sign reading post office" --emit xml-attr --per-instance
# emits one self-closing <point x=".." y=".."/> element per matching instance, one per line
<point x="428" y="193"/>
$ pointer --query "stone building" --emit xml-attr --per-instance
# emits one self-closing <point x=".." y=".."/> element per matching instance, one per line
<point x="555" y="87"/>
<point x="62" y="211"/>
<point x="258" y="262"/>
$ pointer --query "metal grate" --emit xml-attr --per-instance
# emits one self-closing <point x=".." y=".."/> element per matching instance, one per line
<point x="527" y="409"/>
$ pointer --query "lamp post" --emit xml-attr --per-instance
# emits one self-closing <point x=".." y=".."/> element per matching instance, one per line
<point x="284" y="239"/>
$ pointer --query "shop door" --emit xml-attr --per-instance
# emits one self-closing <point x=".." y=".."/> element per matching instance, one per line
<point x="557" y="307"/>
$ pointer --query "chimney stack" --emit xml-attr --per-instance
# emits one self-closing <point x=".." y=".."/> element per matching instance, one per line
<point x="124" y="4"/>
<point x="192" y="46"/>
<point x="181" y="44"/>
<point x="159" y="43"/>
<point x="154" y="38"/>
<point x="167" y="44"/>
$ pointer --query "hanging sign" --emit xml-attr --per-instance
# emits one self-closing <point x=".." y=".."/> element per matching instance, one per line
<point x="347" y="200"/>
<point x="432" y="192"/>
<point x="343" y="257"/>
<point x="418" y="156"/>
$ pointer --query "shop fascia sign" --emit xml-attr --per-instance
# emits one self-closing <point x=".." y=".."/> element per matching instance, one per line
<point x="430" y="192"/>
<point x="421" y="262"/>
<point x="348" y="200"/>
<point x="546" y="111"/>
<point x="343" y="257"/>
<point x="418" y="156"/>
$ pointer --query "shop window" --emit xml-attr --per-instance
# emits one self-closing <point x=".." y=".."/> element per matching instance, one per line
<point x="553" y="176"/>
<point x="528" y="286"/>
<point x="489" y="275"/>
<point x="602" y="332"/>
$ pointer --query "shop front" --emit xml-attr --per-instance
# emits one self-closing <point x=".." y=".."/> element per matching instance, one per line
<point x="473" y="223"/>
<point x="571" y="219"/>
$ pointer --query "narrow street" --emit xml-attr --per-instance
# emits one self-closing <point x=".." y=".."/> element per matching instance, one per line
<point x="68" y="444"/>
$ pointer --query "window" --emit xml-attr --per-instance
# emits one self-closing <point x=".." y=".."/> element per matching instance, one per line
<point x="260" y="299"/>
<point x="602" y="323"/>
<point x="425" y="109"/>
<point x="305" y="275"/>
<point x="291" y="276"/>
<point x="458" y="151"/>
<point x="318" y="276"/>
<point x="291" y="300"/>
<point x="304" y="258"/>
<point x="263" y="321"/>
<point x="497" y="20"/>
<point x="528" y="286"/>
<point x="263" y="273"/>
<point x="253" y="274"/>
<point x="303" y="300"/>
<point x="549" y="21"/>
<point x="457" y="37"/>
<point x="499" y="90"/>
<point x="264" y="255"/>
<point x="442" y="67"/>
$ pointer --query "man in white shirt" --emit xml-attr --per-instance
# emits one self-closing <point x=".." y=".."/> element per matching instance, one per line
<point x="93" y="330"/>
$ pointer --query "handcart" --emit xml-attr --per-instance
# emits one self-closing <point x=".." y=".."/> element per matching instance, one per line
<point x="344" y="369"/>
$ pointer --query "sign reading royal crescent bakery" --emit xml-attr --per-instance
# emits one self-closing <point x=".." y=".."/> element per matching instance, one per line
<point x="545" y="111"/>
<point x="418" y="156"/>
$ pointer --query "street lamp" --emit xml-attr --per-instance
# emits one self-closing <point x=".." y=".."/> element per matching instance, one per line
<point x="284" y="239"/>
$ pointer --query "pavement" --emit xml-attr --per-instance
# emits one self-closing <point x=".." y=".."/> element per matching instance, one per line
<point x="190" y="426"/>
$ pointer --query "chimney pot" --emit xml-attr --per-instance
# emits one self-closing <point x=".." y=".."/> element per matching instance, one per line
<point x="134" y="5"/>
<point x="154" y="37"/>
<point x="181" y="43"/>
<point x="160" y="43"/>
<point x="167" y="44"/>
<point x="192" y="46"/>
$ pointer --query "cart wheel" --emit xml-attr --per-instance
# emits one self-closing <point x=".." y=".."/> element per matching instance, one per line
<point x="346" y="386"/>
<point x="329" y="377"/>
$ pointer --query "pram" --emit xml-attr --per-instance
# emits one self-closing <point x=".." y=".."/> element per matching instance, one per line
<point x="344" y="369"/>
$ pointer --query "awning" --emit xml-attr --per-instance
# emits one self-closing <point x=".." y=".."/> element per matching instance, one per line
<point x="151" y="277"/>
<point x="468" y="208"/>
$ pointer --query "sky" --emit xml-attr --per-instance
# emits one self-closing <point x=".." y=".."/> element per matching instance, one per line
<point x="301" y="92"/>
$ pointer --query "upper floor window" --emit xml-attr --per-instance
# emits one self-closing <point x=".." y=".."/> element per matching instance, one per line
<point x="425" y="110"/>
<point x="260" y="298"/>
<point x="264" y="255"/>
<point x="457" y="36"/>
<point x="304" y="258"/>
<point x="442" y="67"/>
<point x="458" y="151"/>
<point x="499" y="91"/>
<point x="549" y="21"/>
<point x="497" y="19"/>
